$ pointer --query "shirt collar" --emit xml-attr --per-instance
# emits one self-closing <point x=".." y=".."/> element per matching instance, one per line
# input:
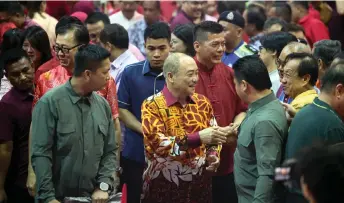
<point x="261" y="102"/>
<point x="236" y="48"/>
<point x="147" y="70"/>
<point x="186" y="15"/>
<point x="170" y="99"/>
<point x="74" y="96"/>
<point x="22" y="95"/>
<point x="203" y="67"/>
<point x="117" y="63"/>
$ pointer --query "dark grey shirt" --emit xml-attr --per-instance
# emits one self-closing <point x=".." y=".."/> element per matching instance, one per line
<point x="259" y="150"/>
<point x="73" y="144"/>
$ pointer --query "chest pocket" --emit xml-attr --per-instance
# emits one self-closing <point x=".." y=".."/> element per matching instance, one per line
<point x="102" y="134"/>
<point x="66" y="137"/>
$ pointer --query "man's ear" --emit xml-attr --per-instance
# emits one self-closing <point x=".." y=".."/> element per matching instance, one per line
<point x="196" y="46"/>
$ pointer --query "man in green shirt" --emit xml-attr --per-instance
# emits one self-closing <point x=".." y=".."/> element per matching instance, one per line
<point x="73" y="150"/>
<point x="261" y="134"/>
<point x="320" y="121"/>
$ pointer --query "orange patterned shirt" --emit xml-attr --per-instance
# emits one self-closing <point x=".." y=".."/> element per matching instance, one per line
<point x="171" y="136"/>
<point x="59" y="75"/>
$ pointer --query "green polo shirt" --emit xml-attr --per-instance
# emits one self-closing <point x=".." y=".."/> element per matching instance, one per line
<point x="317" y="122"/>
<point x="259" y="150"/>
<point x="73" y="144"/>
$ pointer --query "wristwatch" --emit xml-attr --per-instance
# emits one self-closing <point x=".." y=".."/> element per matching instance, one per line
<point x="104" y="187"/>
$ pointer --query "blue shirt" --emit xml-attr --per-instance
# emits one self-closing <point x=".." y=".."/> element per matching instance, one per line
<point x="137" y="84"/>
<point x="240" y="51"/>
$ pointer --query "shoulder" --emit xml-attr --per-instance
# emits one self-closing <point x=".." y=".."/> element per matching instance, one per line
<point x="7" y="98"/>
<point x="134" y="69"/>
<point x="54" y="94"/>
<point x="200" y="99"/>
<point x="154" y="101"/>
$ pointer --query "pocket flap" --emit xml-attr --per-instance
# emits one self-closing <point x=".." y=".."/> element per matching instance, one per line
<point x="103" y="129"/>
<point x="65" y="128"/>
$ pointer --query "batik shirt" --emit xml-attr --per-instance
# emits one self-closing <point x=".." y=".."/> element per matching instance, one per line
<point x="171" y="136"/>
<point x="60" y="75"/>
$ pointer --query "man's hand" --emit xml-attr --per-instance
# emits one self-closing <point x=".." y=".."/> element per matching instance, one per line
<point x="212" y="135"/>
<point x="99" y="196"/>
<point x="3" y="196"/>
<point x="54" y="201"/>
<point x="213" y="162"/>
<point x="30" y="183"/>
<point x="231" y="130"/>
<point x="289" y="109"/>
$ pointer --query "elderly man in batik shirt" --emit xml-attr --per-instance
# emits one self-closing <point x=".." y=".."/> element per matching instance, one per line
<point x="177" y="123"/>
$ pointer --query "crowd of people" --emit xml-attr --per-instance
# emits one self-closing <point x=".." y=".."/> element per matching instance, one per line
<point x="187" y="102"/>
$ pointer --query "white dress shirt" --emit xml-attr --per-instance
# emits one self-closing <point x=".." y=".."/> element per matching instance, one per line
<point x="119" y="18"/>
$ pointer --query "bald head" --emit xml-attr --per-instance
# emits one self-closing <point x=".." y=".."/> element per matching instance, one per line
<point x="172" y="63"/>
<point x="294" y="47"/>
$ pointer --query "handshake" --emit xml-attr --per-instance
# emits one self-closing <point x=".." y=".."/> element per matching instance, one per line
<point x="214" y="135"/>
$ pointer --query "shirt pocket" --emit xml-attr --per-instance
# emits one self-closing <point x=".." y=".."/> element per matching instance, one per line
<point x="101" y="136"/>
<point x="245" y="146"/>
<point x="66" y="136"/>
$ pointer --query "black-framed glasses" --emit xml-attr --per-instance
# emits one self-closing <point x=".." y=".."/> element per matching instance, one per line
<point x="64" y="50"/>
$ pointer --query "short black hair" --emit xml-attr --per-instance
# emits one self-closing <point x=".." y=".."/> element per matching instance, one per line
<point x="332" y="77"/>
<point x="185" y="33"/>
<point x="273" y="21"/>
<point x="11" y="56"/>
<point x="202" y="30"/>
<point x="11" y="39"/>
<point x="33" y="7"/>
<point x="223" y="6"/>
<point x="308" y="65"/>
<point x="157" y="5"/>
<point x="81" y="34"/>
<point x="39" y="40"/>
<point x="66" y="20"/>
<point x="158" y="30"/>
<point x="95" y="17"/>
<point x="116" y="34"/>
<point x="292" y="27"/>
<point x="322" y="169"/>
<point x="276" y="41"/>
<point x="283" y="10"/>
<point x="252" y="70"/>
<point x="256" y="17"/>
<point x="88" y="57"/>
<point x="304" y="4"/>
<point x="326" y="50"/>
<point x="12" y="8"/>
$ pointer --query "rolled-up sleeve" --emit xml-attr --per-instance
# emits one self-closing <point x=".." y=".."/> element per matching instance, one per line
<point x="268" y="145"/>
<point x="43" y="125"/>
<point x="124" y="91"/>
<point x="107" y="164"/>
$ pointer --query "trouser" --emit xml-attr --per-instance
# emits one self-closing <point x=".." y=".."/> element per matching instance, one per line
<point x="16" y="194"/>
<point x="132" y="176"/>
<point x="223" y="189"/>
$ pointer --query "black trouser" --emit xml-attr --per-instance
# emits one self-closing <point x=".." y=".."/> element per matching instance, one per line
<point x="132" y="176"/>
<point x="223" y="189"/>
<point x="16" y="194"/>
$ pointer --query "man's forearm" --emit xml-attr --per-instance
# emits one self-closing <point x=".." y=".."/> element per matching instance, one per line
<point x="118" y="134"/>
<point x="263" y="192"/>
<point x="239" y="118"/>
<point x="30" y="169"/>
<point x="130" y="120"/>
<point x="5" y="160"/>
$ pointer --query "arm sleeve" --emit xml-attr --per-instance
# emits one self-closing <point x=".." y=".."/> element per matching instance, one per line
<point x="268" y="145"/>
<point x="43" y="125"/>
<point x="107" y="166"/>
<point x="124" y="91"/>
<point x="319" y="32"/>
<point x="156" y="137"/>
<point x="111" y="97"/>
<point x="38" y="91"/>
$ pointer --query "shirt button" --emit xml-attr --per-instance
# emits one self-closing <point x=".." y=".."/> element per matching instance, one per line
<point x="156" y="90"/>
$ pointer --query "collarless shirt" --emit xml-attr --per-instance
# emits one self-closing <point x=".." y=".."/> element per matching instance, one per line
<point x="119" y="64"/>
<point x="122" y="20"/>
<point x="137" y="84"/>
<point x="74" y="144"/>
<point x="259" y="150"/>
<point x="317" y="122"/>
<point x="15" y="120"/>
<point x="240" y="51"/>
<point x="218" y="86"/>
<point x="59" y="75"/>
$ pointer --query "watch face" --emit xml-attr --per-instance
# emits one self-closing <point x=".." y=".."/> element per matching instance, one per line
<point x="104" y="186"/>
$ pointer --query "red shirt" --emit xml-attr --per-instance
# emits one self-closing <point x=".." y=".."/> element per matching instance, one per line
<point x="59" y="75"/>
<point x="218" y="86"/>
<point x="4" y="27"/>
<point x="45" y="67"/>
<point x="315" y="29"/>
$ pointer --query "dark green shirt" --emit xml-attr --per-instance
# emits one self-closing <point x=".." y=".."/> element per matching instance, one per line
<point x="73" y="144"/>
<point x="259" y="150"/>
<point x="317" y="122"/>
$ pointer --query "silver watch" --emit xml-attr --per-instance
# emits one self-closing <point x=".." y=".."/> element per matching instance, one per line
<point x="104" y="187"/>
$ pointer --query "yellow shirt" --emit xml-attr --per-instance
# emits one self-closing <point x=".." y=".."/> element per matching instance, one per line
<point x="304" y="99"/>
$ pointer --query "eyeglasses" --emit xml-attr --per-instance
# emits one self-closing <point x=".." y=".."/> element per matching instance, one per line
<point x="279" y="62"/>
<point x="64" y="50"/>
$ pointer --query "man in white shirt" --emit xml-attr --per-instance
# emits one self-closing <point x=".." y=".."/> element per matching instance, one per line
<point x="128" y="14"/>
<point x="115" y="39"/>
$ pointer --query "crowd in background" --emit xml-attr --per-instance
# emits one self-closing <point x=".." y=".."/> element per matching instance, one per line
<point x="171" y="101"/>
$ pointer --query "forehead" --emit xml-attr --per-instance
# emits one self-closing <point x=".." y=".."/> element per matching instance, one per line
<point x="66" y="39"/>
<point x="216" y="37"/>
<point x="19" y="65"/>
<point x="157" y="42"/>
<point x="149" y="4"/>
<point x="291" y="66"/>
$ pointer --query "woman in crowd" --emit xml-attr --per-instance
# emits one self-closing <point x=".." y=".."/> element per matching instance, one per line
<point x="36" y="44"/>
<point x="182" y="40"/>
